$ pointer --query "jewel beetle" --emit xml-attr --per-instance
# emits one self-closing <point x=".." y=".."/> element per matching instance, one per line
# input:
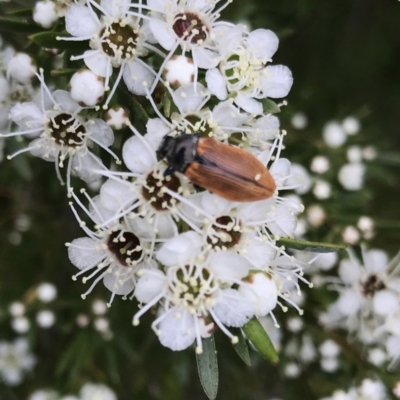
<point x="227" y="171"/>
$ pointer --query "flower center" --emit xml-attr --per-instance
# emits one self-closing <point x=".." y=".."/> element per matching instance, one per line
<point x="153" y="193"/>
<point x="225" y="233"/>
<point x="195" y="124"/>
<point x="189" y="26"/>
<point x="66" y="130"/>
<point x="242" y="71"/>
<point x="372" y="285"/>
<point x="119" y="40"/>
<point x="193" y="288"/>
<point x="126" y="247"/>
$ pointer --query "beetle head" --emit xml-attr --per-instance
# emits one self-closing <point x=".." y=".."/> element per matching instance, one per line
<point x="179" y="151"/>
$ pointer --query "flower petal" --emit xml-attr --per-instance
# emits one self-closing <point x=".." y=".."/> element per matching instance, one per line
<point x="121" y="286"/>
<point x="180" y="249"/>
<point x="115" y="194"/>
<point x="162" y="33"/>
<point x="98" y="63"/>
<point x="85" y="166"/>
<point x="277" y="82"/>
<point x="228" y="265"/>
<point x="138" y="78"/>
<point x="101" y="132"/>
<point x="80" y="21"/>
<point x="205" y="58"/>
<point x="232" y="309"/>
<point x="177" y="329"/>
<point x="263" y="44"/>
<point x="65" y="102"/>
<point x="189" y="98"/>
<point x="216" y="83"/>
<point x="156" y="130"/>
<point x="150" y="284"/>
<point x="85" y="252"/>
<point x="248" y="104"/>
<point x="138" y="157"/>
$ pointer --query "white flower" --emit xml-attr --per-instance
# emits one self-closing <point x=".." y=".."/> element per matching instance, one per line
<point x="374" y="390"/>
<point x="300" y="178"/>
<point x="329" y="349"/>
<point x="179" y="71"/>
<point x="15" y="361"/>
<point x="21" y="68"/>
<point x="92" y="391"/>
<point x="17" y="309"/>
<point x="320" y="164"/>
<point x="149" y="202"/>
<point x="62" y="133"/>
<point x="20" y="324"/>
<point x="351" y="125"/>
<point x="116" y="40"/>
<point x="195" y="291"/>
<point x="333" y="134"/>
<point x="117" y="118"/>
<point x="322" y="190"/>
<point x="45" y="13"/>
<point x="190" y="25"/>
<point x="369" y="293"/>
<point x="351" y="235"/>
<point x="45" y="319"/>
<point x="354" y="154"/>
<point x="112" y="253"/>
<point x="46" y="292"/>
<point x="299" y="120"/>
<point x="87" y="89"/>
<point x="242" y="71"/>
<point x="351" y="176"/>
<point x="44" y="394"/>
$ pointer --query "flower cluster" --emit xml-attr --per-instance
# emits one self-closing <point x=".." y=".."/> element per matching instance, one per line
<point x="15" y="361"/>
<point x="89" y="391"/>
<point x="203" y="261"/>
<point x="368" y="304"/>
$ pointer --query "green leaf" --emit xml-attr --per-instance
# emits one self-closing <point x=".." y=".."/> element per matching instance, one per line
<point x="133" y="105"/>
<point x="18" y="24"/>
<point x="241" y="347"/>
<point x="63" y="71"/>
<point x="50" y="40"/>
<point x="207" y="366"/>
<point x="270" y="107"/>
<point x="305" y="245"/>
<point x="21" y="12"/>
<point x="166" y="104"/>
<point x="261" y="341"/>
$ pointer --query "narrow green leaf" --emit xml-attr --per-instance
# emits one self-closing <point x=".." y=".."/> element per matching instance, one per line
<point x="241" y="347"/>
<point x="166" y="104"/>
<point x="261" y="341"/>
<point x="63" y="71"/>
<point x="207" y="366"/>
<point x="133" y="105"/>
<point x="50" y="40"/>
<point x="270" y="107"/>
<point x="18" y="24"/>
<point x="21" y="12"/>
<point x="315" y="247"/>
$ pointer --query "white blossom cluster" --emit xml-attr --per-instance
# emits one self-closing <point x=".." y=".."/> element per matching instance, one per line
<point x="89" y="391"/>
<point x="368" y="305"/>
<point x="16" y="360"/>
<point x="201" y="261"/>
<point x="369" y="389"/>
